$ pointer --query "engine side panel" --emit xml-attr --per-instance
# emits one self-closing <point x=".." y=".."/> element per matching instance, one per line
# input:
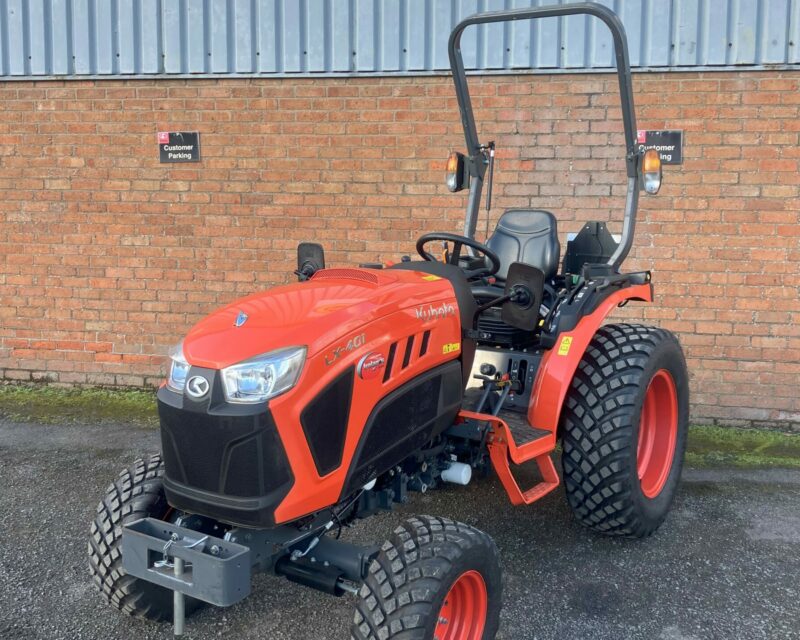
<point x="419" y="338"/>
<point x="404" y="421"/>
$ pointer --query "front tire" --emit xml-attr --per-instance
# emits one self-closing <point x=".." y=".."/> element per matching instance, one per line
<point x="434" y="578"/>
<point x="624" y="427"/>
<point x="137" y="492"/>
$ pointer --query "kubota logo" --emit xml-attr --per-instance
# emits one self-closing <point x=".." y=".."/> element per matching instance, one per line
<point x="435" y="313"/>
<point x="371" y="365"/>
<point x="197" y="386"/>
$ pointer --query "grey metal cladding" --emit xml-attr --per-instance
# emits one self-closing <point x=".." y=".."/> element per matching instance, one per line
<point x="40" y="38"/>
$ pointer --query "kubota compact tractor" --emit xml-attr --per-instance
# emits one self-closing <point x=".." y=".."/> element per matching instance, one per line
<point x="296" y="411"/>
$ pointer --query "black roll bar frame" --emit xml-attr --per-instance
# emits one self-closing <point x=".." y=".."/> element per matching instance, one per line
<point x="478" y="160"/>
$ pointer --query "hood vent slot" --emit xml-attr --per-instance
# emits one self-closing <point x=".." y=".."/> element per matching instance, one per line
<point x="409" y="349"/>
<point x="387" y="373"/>
<point x="423" y="348"/>
<point x="346" y="274"/>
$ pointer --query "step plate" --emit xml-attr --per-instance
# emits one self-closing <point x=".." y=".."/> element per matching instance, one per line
<point x="521" y="431"/>
<point x="517" y="423"/>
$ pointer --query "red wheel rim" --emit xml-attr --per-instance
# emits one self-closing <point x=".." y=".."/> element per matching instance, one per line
<point x="463" y="612"/>
<point x="658" y="432"/>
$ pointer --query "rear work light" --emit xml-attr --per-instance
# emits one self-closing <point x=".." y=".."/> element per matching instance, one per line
<point x="651" y="171"/>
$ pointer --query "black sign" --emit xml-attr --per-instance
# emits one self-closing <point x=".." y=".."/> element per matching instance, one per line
<point x="179" y="146"/>
<point x="669" y="144"/>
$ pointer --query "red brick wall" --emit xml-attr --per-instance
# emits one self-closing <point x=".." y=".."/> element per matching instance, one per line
<point x="107" y="256"/>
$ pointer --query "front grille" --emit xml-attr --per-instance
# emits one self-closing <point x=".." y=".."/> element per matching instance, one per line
<point x="240" y="456"/>
<point x="324" y="421"/>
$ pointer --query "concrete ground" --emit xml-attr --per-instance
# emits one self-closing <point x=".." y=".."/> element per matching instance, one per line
<point x="726" y="564"/>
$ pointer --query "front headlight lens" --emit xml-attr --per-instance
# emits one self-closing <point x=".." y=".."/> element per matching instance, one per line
<point x="178" y="369"/>
<point x="263" y="377"/>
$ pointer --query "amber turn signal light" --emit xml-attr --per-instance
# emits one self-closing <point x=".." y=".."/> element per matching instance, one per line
<point x="454" y="178"/>
<point x="651" y="171"/>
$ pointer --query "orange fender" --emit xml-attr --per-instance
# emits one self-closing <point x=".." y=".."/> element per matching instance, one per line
<point x="559" y="363"/>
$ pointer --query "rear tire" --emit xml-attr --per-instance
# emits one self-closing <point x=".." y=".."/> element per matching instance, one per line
<point x="624" y="426"/>
<point x="433" y="578"/>
<point x="137" y="493"/>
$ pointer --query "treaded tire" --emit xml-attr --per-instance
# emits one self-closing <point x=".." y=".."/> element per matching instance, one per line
<point x="413" y="573"/>
<point x="601" y="425"/>
<point x="136" y="493"/>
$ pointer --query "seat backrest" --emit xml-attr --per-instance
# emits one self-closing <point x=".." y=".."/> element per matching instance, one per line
<point x="529" y="236"/>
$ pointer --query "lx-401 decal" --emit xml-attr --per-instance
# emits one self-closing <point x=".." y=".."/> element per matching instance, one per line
<point x="352" y="344"/>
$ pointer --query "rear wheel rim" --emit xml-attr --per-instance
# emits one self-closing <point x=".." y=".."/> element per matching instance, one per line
<point x="463" y="612"/>
<point x="658" y="433"/>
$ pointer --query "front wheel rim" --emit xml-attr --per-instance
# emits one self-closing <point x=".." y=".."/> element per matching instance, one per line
<point x="658" y="433"/>
<point x="463" y="612"/>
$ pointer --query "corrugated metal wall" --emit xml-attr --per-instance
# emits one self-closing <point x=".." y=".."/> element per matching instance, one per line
<point x="284" y="37"/>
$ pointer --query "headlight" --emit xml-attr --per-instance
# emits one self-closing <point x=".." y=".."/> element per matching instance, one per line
<point x="178" y="369"/>
<point x="263" y="377"/>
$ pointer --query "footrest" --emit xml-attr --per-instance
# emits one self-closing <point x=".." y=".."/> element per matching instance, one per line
<point x="215" y="570"/>
<point x="522" y="433"/>
<point x="523" y="441"/>
<point x="518" y="442"/>
<point x="501" y="464"/>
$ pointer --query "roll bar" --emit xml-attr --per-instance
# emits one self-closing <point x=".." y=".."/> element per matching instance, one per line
<point x="477" y="156"/>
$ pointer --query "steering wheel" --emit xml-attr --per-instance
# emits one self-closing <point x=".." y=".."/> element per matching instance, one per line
<point x="453" y="258"/>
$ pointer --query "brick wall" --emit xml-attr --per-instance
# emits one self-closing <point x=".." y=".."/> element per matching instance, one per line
<point x="107" y="257"/>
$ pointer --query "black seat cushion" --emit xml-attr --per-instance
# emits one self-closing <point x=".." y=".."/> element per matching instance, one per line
<point x="529" y="236"/>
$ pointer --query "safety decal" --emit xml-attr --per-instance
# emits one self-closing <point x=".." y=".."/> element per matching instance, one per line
<point x="566" y="343"/>
<point x="450" y="347"/>
<point x="430" y="278"/>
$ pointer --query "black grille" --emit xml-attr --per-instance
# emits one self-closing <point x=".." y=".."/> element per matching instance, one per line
<point x="492" y="330"/>
<point x="404" y="421"/>
<point x="324" y="422"/>
<point x="233" y="455"/>
<point x="402" y="416"/>
<point x="222" y="460"/>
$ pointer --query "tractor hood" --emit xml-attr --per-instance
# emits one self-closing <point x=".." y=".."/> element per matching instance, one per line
<point x="315" y="314"/>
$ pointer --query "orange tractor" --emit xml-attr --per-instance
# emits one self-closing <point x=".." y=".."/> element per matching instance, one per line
<point x="297" y="411"/>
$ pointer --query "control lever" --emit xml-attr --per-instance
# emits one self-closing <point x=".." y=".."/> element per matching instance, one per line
<point x="494" y="382"/>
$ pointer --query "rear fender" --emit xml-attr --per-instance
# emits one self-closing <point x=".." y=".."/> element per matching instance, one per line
<point x="559" y="363"/>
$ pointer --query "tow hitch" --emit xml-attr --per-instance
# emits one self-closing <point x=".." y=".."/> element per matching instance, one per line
<point x="219" y="570"/>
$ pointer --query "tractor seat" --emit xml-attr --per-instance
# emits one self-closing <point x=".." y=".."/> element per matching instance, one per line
<point x="529" y="236"/>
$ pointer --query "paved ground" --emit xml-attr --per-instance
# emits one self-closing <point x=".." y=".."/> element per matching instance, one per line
<point x="725" y="565"/>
